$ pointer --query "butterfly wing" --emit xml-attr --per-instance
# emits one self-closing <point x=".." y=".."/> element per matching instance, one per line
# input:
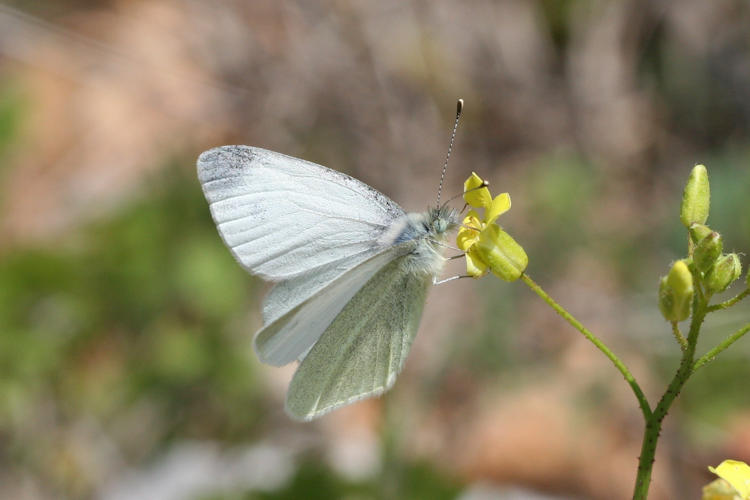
<point x="284" y="218"/>
<point x="289" y="293"/>
<point x="290" y="336"/>
<point x="363" y="350"/>
<point x="343" y="302"/>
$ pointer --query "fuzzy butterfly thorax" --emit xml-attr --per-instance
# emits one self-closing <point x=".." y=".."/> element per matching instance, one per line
<point x="422" y="237"/>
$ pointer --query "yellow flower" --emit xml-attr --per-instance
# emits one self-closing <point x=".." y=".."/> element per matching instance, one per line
<point x="467" y="238"/>
<point x="486" y="245"/>
<point x="474" y="195"/>
<point x="736" y="474"/>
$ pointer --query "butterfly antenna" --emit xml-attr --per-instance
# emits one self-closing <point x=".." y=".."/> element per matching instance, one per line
<point x="484" y="184"/>
<point x="459" y="108"/>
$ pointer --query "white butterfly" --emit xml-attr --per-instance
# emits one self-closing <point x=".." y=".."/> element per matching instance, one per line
<point x="351" y="270"/>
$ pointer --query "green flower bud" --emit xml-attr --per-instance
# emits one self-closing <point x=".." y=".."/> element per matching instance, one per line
<point x="666" y="300"/>
<point x="681" y="279"/>
<point x="698" y="232"/>
<point x="707" y="251"/>
<point x="676" y="292"/>
<point x="505" y="258"/>
<point x="725" y="271"/>
<point x="696" y="198"/>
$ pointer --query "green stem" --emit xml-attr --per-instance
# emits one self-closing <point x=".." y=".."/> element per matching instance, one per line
<point x="678" y="335"/>
<point x="642" y="401"/>
<point x="731" y="339"/>
<point x="729" y="303"/>
<point x="654" y="421"/>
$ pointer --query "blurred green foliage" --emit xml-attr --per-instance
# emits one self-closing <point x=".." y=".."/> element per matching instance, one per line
<point x="314" y="481"/>
<point x="559" y="194"/>
<point x="12" y="108"/>
<point x="143" y="309"/>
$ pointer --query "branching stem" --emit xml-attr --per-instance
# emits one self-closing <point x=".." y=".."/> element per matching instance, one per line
<point x="710" y="355"/>
<point x="729" y="303"/>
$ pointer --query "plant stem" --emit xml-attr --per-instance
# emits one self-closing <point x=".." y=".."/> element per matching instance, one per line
<point x="678" y="336"/>
<point x="654" y="421"/>
<point x="642" y="401"/>
<point x="731" y="339"/>
<point x="729" y="303"/>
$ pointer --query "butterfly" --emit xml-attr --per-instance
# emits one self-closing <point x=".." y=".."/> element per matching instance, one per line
<point x="351" y="270"/>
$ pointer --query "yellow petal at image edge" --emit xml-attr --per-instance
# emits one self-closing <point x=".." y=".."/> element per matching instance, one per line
<point x="719" y="489"/>
<point x="735" y="473"/>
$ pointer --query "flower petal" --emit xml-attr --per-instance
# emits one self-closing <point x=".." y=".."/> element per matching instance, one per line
<point x="499" y="206"/>
<point x="466" y="238"/>
<point x="468" y="234"/>
<point x="719" y="489"/>
<point x="735" y="473"/>
<point x="478" y="198"/>
<point x="473" y="220"/>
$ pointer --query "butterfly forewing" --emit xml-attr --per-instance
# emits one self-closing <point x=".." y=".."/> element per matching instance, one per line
<point x="283" y="217"/>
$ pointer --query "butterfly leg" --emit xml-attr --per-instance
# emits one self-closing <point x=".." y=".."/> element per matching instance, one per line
<point x="457" y="277"/>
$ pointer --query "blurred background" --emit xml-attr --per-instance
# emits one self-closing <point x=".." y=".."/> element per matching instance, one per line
<point x="126" y="368"/>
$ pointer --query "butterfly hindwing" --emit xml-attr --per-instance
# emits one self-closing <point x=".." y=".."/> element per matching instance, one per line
<point x="288" y="337"/>
<point x="362" y="351"/>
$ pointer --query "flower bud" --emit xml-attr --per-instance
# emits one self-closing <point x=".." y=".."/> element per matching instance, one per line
<point x="676" y="292"/>
<point x="696" y="198"/>
<point x="698" y="232"/>
<point x="725" y="271"/>
<point x="503" y="255"/>
<point x="707" y="251"/>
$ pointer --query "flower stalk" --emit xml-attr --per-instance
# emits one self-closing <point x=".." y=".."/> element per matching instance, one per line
<point x="685" y="292"/>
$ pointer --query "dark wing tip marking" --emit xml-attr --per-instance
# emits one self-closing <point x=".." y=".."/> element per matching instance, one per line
<point x="230" y="161"/>
<point x="224" y="161"/>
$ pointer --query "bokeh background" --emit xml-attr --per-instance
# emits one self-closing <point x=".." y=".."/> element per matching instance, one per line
<point x="126" y="369"/>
